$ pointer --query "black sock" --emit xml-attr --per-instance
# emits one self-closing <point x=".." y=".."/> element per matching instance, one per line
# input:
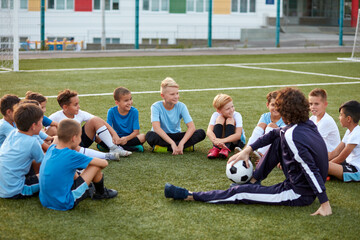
<point x="99" y="186"/>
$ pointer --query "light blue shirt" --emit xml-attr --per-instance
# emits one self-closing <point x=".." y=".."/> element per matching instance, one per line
<point x="16" y="155"/>
<point x="170" y="120"/>
<point x="5" y="129"/>
<point x="57" y="176"/>
<point x="266" y="118"/>
<point x="123" y="125"/>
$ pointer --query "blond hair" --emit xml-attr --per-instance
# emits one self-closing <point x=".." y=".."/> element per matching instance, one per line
<point x="168" y="82"/>
<point x="221" y="100"/>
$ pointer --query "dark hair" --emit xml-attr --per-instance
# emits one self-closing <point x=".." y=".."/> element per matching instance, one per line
<point x="352" y="109"/>
<point x="292" y="105"/>
<point x="67" y="129"/>
<point x="119" y="92"/>
<point x="35" y="96"/>
<point x="32" y="101"/>
<point x="7" y="102"/>
<point x="64" y="97"/>
<point x="318" y="92"/>
<point x="26" y="115"/>
<point x="271" y="95"/>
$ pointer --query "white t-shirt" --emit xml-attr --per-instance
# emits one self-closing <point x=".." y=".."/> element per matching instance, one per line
<point x="82" y="116"/>
<point x="238" y="122"/>
<point x="353" y="137"/>
<point x="328" y="130"/>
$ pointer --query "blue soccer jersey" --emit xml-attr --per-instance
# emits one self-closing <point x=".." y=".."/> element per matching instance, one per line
<point x="124" y="125"/>
<point x="16" y="156"/>
<point x="57" y="177"/>
<point x="170" y="120"/>
<point x="266" y="118"/>
<point x="5" y="129"/>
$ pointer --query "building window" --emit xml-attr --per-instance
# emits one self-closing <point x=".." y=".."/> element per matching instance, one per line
<point x="156" y="5"/>
<point x="61" y="4"/>
<point x="23" y="4"/>
<point x="197" y="6"/>
<point x="243" y="6"/>
<point x="108" y="40"/>
<point x="109" y="5"/>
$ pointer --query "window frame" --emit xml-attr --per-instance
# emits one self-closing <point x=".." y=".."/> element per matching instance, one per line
<point x="160" y="8"/>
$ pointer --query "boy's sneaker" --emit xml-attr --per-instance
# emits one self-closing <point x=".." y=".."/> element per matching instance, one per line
<point x="237" y="150"/>
<point x="138" y="148"/>
<point x="255" y="156"/>
<point x="114" y="156"/>
<point x="213" y="153"/>
<point x="190" y="149"/>
<point x="160" y="149"/>
<point x="108" y="193"/>
<point x="224" y="153"/>
<point x="121" y="151"/>
<point x="175" y="192"/>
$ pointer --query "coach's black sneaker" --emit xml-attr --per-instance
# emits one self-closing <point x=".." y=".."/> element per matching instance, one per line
<point x="108" y="193"/>
<point x="175" y="192"/>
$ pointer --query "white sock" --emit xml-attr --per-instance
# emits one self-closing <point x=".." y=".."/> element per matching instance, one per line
<point x="258" y="132"/>
<point x="268" y="129"/>
<point x="105" y="136"/>
<point x="92" y="153"/>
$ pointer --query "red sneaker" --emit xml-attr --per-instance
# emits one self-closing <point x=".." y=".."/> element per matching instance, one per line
<point x="224" y="153"/>
<point x="213" y="153"/>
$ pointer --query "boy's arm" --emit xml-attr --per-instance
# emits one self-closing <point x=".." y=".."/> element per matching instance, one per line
<point x="344" y="154"/>
<point x="98" y="162"/>
<point x="210" y="133"/>
<point x="189" y="132"/>
<point x="324" y="210"/>
<point x="162" y="134"/>
<point x="125" y="139"/>
<point x="336" y="151"/>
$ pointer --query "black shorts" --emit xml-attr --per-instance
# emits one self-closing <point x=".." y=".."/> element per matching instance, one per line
<point x="79" y="190"/>
<point x="350" y="172"/>
<point x="31" y="187"/>
<point x="85" y="140"/>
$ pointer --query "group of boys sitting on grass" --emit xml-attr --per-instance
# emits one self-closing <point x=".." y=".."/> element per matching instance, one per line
<point x="70" y="171"/>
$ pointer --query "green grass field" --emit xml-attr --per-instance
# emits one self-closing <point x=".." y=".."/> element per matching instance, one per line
<point x="141" y="210"/>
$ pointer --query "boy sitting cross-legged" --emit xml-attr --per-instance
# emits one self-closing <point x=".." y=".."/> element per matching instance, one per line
<point x="20" y="148"/>
<point x="166" y="116"/>
<point x="345" y="159"/>
<point x="124" y="119"/>
<point x="61" y="187"/>
<point x="94" y="126"/>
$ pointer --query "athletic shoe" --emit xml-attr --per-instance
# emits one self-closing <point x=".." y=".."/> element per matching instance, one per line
<point x="121" y="152"/>
<point x="108" y="193"/>
<point x="190" y="149"/>
<point x="213" y="153"/>
<point x="237" y="150"/>
<point x="114" y="156"/>
<point x="175" y="192"/>
<point x="138" y="148"/>
<point x="160" y="149"/>
<point x="102" y="148"/>
<point x="224" y="153"/>
<point x="255" y="156"/>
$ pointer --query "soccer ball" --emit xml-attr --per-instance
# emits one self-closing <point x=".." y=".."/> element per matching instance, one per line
<point x="238" y="173"/>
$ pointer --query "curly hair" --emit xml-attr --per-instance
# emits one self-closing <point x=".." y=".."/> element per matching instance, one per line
<point x="271" y="95"/>
<point x="64" y="97"/>
<point x="292" y="105"/>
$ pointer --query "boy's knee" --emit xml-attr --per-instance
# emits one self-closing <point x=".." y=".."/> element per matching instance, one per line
<point x="141" y="137"/>
<point x="220" y="120"/>
<point x="230" y="121"/>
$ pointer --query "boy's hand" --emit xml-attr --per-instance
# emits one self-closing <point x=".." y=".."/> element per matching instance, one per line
<point x="324" y="210"/>
<point x="116" y="139"/>
<point x="123" y="141"/>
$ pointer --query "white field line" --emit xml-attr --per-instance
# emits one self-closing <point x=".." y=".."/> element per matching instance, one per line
<point x="224" y="89"/>
<point x="292" y="71"/>
<point x="172" y="66"/>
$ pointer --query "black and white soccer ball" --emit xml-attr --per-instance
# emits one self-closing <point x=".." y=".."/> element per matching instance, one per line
<point x="238" y="173"/>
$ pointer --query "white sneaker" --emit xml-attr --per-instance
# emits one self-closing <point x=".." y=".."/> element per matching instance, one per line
<point x="121" y="152"/>
<point x="237" y="149"/>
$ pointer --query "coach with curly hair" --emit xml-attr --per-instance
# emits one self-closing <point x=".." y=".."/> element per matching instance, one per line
<point x="300" y="150"/>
